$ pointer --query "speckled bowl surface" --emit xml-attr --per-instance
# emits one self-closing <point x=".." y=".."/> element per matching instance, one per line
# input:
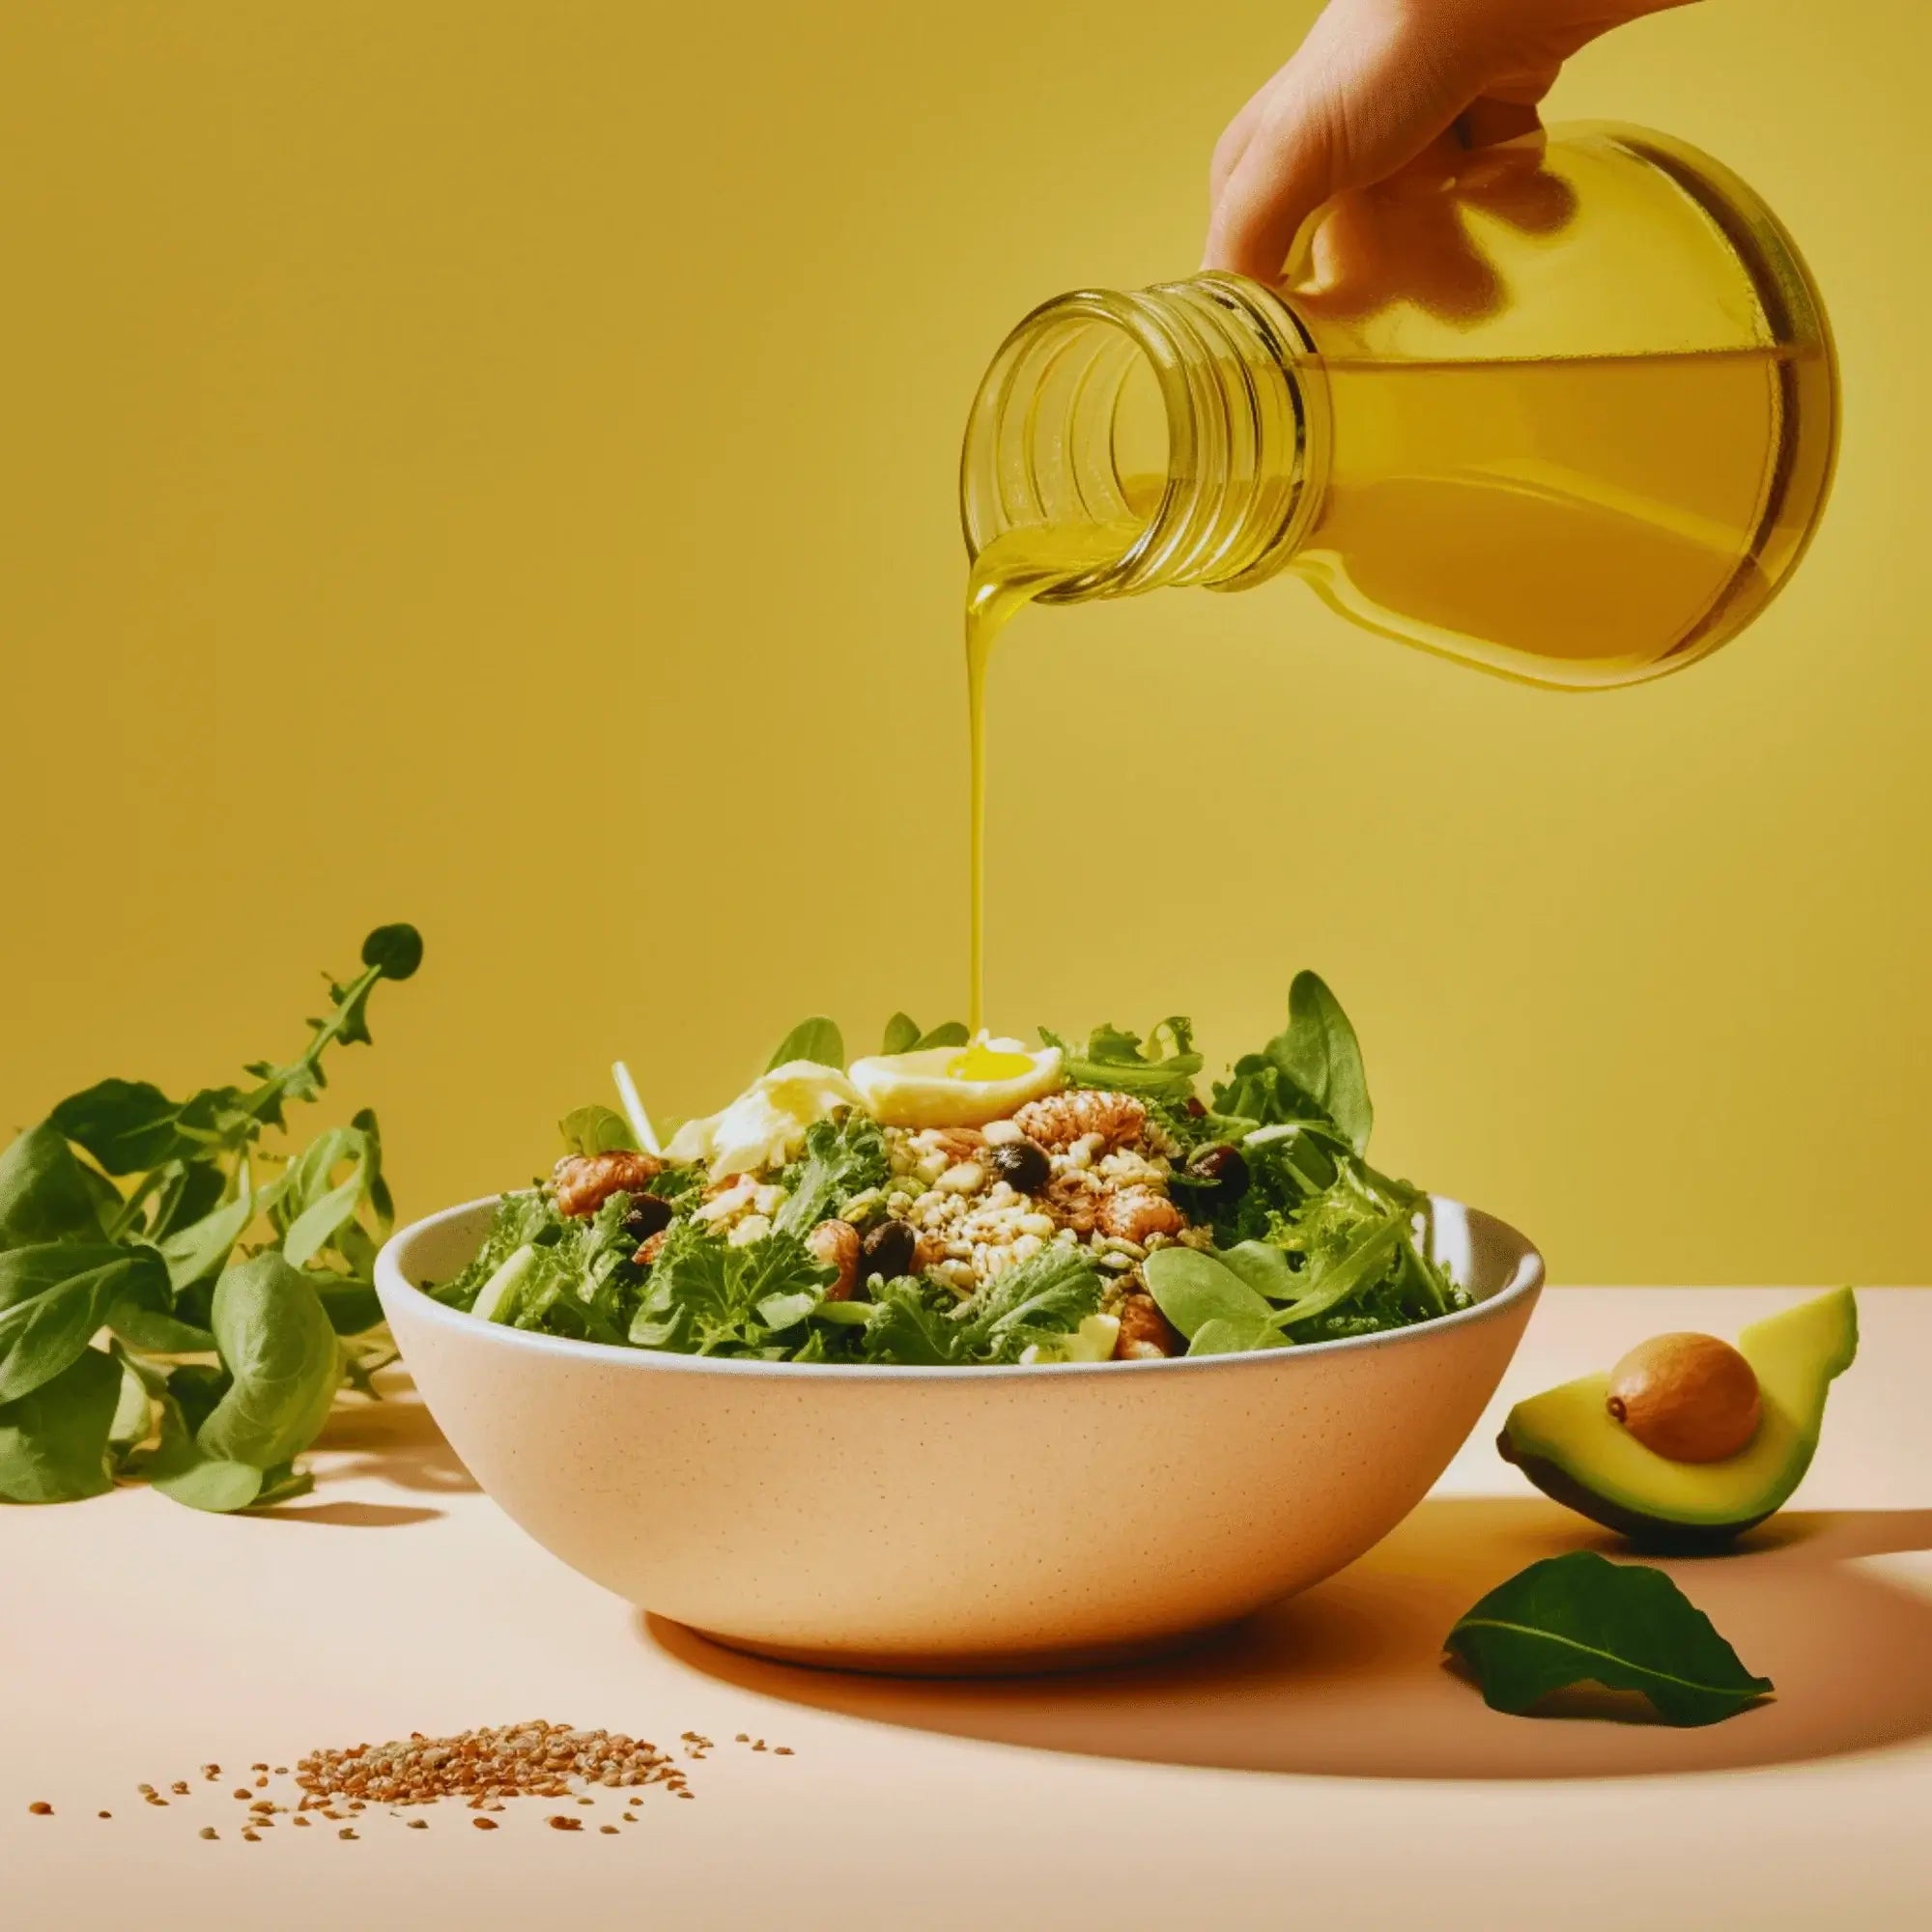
<point x="958" y="1520"/>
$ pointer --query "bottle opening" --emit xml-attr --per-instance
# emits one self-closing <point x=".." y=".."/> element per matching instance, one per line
<point x="1149" y="438"/>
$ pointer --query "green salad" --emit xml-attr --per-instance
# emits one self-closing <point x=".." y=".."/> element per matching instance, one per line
<point x="950" y="1201"/>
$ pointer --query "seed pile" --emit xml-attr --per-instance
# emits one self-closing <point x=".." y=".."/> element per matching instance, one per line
<point x="482" y="1768"/>
<point x="533" y="1760"/>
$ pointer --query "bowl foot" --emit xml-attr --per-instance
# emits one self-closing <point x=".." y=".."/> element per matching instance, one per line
<point x="1045" y="1661"/>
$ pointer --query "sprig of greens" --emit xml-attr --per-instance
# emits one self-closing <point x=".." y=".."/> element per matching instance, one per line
<point x="256" y="1265"/>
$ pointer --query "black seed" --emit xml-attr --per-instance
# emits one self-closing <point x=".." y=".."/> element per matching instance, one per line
<point x="1023" y="1165"/>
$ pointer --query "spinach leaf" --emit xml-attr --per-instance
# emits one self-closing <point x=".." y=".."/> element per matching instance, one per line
<point x="186" y="1473"/>
<point x="125" y="1124"/>
<point x="1119" y="1063"/>
<point x="1192" y="1290"/>
<point x="53" y="1442"/>
<point x="901" y="1034"/>
<point x="596" y="1131"/>
<point x="58" y="1298"/>
<point x="1582" y="1618"/>
<point x="819" y="1041"/>
<point x="45" y="1195"/>
<point x="1312" y="1071"/>
<point x="277" y="1344"/>
<point x="951" y="1033"/>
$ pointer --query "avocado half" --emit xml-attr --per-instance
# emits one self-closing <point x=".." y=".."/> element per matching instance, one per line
<point x="1567" y="1444"/>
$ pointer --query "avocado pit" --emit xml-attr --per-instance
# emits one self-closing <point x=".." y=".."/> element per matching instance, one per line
<point x="1690" y="1398"/>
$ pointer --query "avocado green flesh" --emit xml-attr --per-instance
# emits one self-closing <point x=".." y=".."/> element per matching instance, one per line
<point x="1567" y="1444"/>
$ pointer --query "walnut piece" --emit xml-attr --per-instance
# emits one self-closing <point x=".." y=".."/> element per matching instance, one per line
<point x="652" y="1248"/>
<point x="1060" y="1119"/>
<point x="835" y="1244"/>
<point x="585" y="1181"/>
<point x="1146" y="1334"/>
<point x="1133" y="1213"/>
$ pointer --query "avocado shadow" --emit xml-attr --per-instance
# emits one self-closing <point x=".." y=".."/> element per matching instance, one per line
<point x="1348" y="1680"/>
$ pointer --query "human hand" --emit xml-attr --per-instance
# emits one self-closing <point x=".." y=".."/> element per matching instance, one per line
<point x="1383" y="102"/>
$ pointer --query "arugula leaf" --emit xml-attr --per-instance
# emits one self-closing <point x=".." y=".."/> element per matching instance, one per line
<point x="56" y="1298"/>
<point x="1580" y="1618"/>
<point x="278" y="1345"/>
<point x="43" y="1193"/>
<point x="53" y="1442"/>
<point x="596" y="1131"/>
<point x="817" y="1039"/>
<point x="843" y="1158"/>
<point x="1121" y="1063"/>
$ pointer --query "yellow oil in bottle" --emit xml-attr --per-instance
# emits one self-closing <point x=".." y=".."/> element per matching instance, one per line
<point x="1596" y="475"/>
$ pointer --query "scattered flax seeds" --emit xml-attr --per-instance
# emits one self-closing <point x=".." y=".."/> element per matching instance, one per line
<point x="40" y="1808"/>
<point x="238" y="1793"/>
<point x="104" y="1814"/>
<point x="179" y="1787"/>
<point x="484" y="1824"/>
<point x="609" y="1831"/>
<point x="209" y="1832"/>
<point x="532" y="1760"/>
<point x="557" y="1822"/>
<point x="346" y="1832"/>
<point x="414" y="1824"/>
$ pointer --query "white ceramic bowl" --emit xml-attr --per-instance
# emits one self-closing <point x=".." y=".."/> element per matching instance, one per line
<point x="958" y="1520"/>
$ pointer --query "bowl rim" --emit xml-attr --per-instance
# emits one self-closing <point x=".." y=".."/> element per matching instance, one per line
<point x="1526" y="1282"/>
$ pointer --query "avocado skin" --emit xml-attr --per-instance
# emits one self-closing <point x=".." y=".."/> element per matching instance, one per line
<point x="1653" y="1534"/>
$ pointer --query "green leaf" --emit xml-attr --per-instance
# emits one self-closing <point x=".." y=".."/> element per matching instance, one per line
<point x="1192" y="1289"/>
<point x="1330" y="1283"/>
<point x="53" y="1444"/>
<point x="1221" y="1336"/>
<point x="277" y="1344"/>
<point x="1582" y="1618"/>
<point x="951" y="1033"/>
<point x="1118" y="1061"/>
<point x="352" y="1305"/>
<point x="394" y="951"/>
<point x="819" y="1041"/>
<point x="58" y="1298"/>
<point x="901" y="1034"/>
<point x="128" y="1125"/>
<point x="202" y="1248"/>
<point x="596" y="1131"/>
<point x="1323" y="1057"/>
<point x="43" y="1193"/>
<point x="1262" y="1267"/>
<point x="158" y="1334"/>
<point x="185" y="1473"/>
<point x="841" y="1158"/>
<point x="282" y="1486"/>
<point x="318" y="1223"/>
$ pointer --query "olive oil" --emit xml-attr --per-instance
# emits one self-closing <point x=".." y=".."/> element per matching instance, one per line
<point x="1597" y="475"/>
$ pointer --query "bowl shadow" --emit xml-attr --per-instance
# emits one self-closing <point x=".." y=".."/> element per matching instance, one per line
<point x="395" y="1442"/>
<point x="1348" y="1680"/>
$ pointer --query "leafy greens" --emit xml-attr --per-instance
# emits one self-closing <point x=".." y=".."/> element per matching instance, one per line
<point x="256" y="1262"/>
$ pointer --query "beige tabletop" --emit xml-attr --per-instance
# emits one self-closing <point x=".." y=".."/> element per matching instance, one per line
<point x="1320" y="1768"/>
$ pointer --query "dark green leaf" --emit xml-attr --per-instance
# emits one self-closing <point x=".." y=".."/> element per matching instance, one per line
<point x="58" y="1298"/>
<point x="53" y="1444"/>
<point x="351" y="1306"/>
<point x="188" y="1194"/>
<point x="128" y="1125"/>
<point x="282" y="1486"/>
<point x="202" y="1248"/>
<point x="901" y="1034"/>
<point x="396" y="951"/>
<point x="1582" y="1618"/>
<point x="277" y="1344"/>
<point x="158" y="1334"/>
<point x="44" y="1192"/>
<point x="841" y="1158"/>
<point x="596" y="1131"/>
<point x="819" y="1041"/>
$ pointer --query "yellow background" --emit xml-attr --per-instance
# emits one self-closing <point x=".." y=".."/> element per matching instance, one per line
<point x="493" y="466"/>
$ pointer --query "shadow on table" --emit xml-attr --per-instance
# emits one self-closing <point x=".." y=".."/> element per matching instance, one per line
<point x="394" y="1441"/>
<point x="1348" y="1680"/>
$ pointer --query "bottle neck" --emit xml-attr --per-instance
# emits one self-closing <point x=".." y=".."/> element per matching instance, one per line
<point x="1181" y="427"/>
